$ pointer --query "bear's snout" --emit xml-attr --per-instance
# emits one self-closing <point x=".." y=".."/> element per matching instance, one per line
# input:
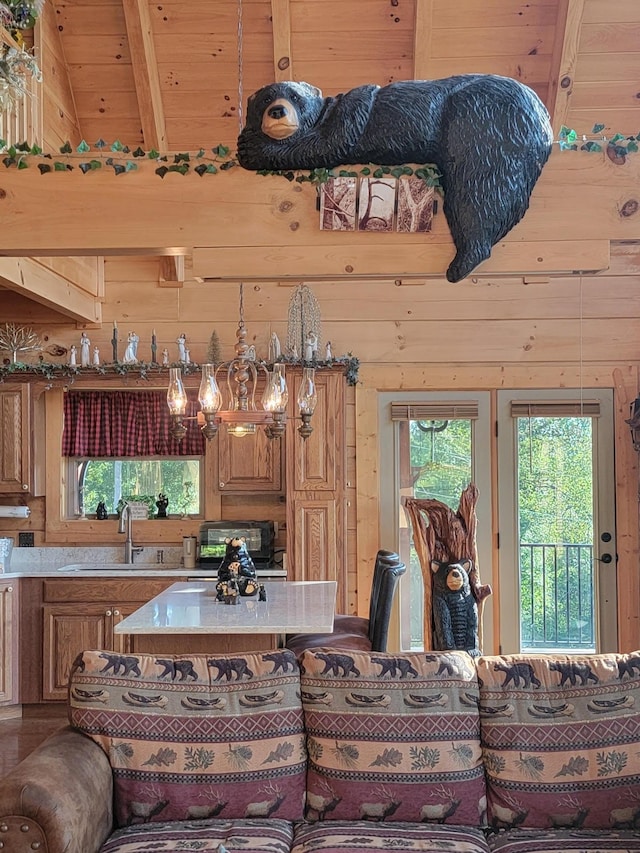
<point x="280" y="119"/>
<point x="277" y="112"/>
<point x="455" y="580"/>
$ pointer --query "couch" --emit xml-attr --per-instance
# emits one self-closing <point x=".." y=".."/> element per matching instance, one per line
<point x="340" y="752"/>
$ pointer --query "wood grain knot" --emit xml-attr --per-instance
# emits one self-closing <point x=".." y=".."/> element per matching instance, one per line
<point x="629" y="208"/>
<point x="3" y="193"/>
<point x="283" y="63"/>
<point x="285" y="206"/>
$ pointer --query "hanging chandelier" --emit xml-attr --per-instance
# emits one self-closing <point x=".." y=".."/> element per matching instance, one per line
<point x="241" y="413"/>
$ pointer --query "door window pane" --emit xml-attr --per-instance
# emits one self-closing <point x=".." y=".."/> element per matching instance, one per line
<point x="555" y="512"/>
<point x="435" y="457"/>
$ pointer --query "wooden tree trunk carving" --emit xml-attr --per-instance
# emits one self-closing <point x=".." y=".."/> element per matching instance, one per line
<point x="439" y="533"/>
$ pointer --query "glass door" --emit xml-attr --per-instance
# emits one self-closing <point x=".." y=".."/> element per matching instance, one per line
<point x="433" y="444"/>
<point x="556" y="521"/>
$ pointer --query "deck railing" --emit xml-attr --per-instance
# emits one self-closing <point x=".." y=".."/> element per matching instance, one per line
<point x="556" y="597"/>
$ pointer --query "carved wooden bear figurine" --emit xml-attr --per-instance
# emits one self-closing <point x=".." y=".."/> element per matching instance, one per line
<point x="455" y="611"/>
<point x="489" y="136"/>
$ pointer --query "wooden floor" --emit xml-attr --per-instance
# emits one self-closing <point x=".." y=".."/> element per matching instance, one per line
<point x="20" y="736"/>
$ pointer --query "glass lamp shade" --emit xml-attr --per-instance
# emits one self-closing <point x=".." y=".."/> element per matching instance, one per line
<point x="209" y="394"/>
<point x="176" y="395"/>
<point x="276" y="394"/>
<point x="307" y="396"/>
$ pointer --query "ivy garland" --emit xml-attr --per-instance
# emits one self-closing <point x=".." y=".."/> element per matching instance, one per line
<point x="51" y="371"/>
<point x="122" y="159"/>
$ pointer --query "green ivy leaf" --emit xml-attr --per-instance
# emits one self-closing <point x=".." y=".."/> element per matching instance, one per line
<point x="3" y="143"/>
<point x="212" y="169"/>
<point x="35" y="150"/>
<point x="9" y="161"/>
<point x="22" y="163"/>
<point x="59" y="167"/>
<point x="66" y="149"/>
<point x="181" y="158"/>
<point x="221" y="150"/>
<point x="138" y="152"/>
<point x="366" y="171"/>
<point x="632" y="146"/>
<point x="200" y="154"/>
<point x="591" y="146"/>
<point x="23" y="146"/>
<point x="396" y="172"/>
<point x="116" y="146"/>
<point x="95" y="164"/>
<point x="597" y="128"/>
<point x="378" y="173"/>
<point x="83" y="148"/>
<point x="100" y="144"/>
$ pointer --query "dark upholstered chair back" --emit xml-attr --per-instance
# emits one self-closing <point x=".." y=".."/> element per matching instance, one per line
<point x="392" y="570"/>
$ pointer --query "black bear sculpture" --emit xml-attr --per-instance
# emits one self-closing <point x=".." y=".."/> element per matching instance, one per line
<point x="455" y="611"/>
<point x="237" y="567"/>
<point x="489" y="136"/>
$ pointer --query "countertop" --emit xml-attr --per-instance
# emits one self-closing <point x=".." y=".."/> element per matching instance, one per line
<point x="192" y="608"/>
<point x="138" y="571"/>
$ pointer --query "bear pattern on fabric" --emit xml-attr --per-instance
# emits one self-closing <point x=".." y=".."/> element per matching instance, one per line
<point x="489" y="136"/>
<point x="455" y="611"/>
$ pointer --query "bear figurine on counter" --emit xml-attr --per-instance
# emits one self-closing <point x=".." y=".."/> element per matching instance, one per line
<point x="489" y="136"/>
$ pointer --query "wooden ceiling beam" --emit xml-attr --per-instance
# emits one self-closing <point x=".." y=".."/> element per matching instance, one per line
<point x="41" y="284"/>
<point x="282" y="60"/>
<point x="422" y="36"/>
<point x="563" y="60"/>
<point x="145" y="72"/>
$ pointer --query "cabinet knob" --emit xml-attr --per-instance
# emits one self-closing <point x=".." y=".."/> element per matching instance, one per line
<point x="25" y="487"/>
<point x="9" y="589"/>
<point x="221" y="485"/>
<point x="108" y="613"/>
<point x="116" y="612"/>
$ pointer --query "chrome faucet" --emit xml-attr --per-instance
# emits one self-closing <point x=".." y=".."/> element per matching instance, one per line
<point x="125" y="525"/>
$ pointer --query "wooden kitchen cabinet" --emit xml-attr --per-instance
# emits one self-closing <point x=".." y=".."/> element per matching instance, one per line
<point x="20" y="426"/>
<point x="81" y="613"/>
<point x="316" y="471"/>
<point x="253" y="463"/>
<point x="8" y="643"/>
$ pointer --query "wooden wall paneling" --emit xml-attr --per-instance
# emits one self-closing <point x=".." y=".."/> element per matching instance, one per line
<point x="42" y="284"/>
<point x="422" y="39"/>
<point x="15" y="439"/>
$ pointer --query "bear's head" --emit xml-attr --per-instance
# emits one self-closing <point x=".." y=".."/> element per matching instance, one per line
<point x="282" y="109"/>
<point x="451" y="577"/>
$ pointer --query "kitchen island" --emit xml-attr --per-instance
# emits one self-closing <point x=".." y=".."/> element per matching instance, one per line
<point x="191" y="609"/>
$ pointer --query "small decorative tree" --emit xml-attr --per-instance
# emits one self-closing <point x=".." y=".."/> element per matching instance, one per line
<point x="214" y="352"/>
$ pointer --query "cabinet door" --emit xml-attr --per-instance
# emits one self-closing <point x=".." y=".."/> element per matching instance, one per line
<point x="8" y="644"/>
<point x="252" y="463"/>
<point x="15" y="438"/>
<point x="315" y="464"/>
<point x="68" y="630"/>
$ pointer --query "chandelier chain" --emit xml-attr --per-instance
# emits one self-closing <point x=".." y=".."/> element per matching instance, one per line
<point x="240" y="78"/>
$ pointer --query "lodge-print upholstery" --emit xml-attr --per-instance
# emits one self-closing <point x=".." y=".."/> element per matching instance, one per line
<point x="349" y="836"/>
<point x="392" y="737"/>
<point x="561" y="741"/>
<point x="253" y="836"/>
<point x="194" y="737"/>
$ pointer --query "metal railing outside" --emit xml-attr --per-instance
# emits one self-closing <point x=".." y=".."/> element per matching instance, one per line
<point x="557" y="597"/>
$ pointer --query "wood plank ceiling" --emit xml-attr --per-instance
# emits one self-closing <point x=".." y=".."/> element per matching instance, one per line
<point x="166" y="74"/>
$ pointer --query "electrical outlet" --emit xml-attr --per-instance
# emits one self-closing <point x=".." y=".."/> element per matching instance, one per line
<point x="25" y="540"/>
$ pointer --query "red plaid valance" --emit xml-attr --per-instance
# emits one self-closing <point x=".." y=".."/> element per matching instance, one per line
<point x="125" y="423"/>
